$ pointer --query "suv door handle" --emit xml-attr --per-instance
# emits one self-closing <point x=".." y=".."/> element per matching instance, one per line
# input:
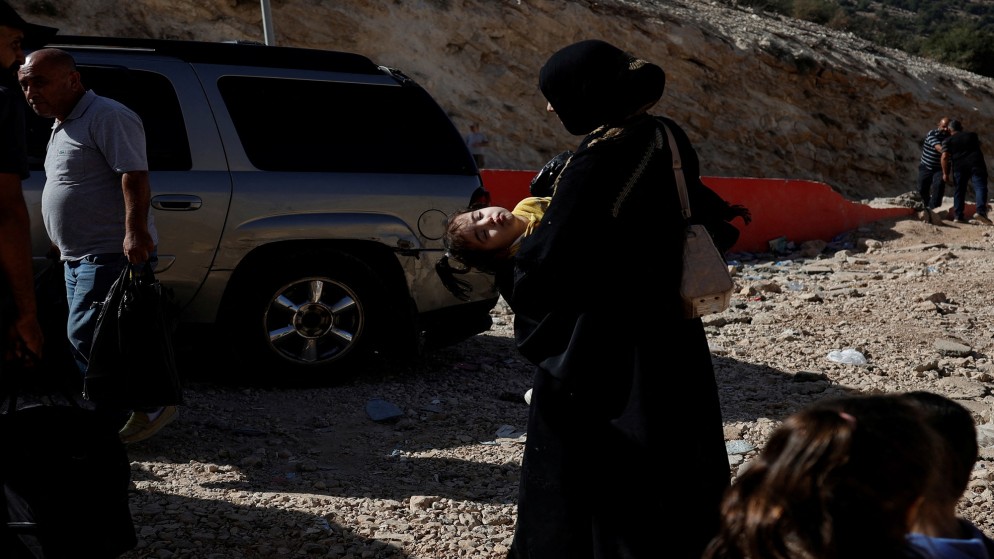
<point x="177" y="202"/>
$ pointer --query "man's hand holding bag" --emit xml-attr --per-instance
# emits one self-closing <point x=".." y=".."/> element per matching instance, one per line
<point x="132" y="364"/>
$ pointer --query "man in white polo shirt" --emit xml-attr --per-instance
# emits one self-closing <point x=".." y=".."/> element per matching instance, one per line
<point x="96" y="201"/>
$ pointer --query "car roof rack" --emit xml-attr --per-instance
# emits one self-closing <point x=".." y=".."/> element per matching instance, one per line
<point x="236" y="53"/>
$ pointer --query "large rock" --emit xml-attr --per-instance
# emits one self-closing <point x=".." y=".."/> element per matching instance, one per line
<point x="760" y="95"/>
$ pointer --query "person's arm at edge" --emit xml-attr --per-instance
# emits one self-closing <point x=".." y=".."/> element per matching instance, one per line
<point x="137" y="189"/>
<point x="15" y="260"/>
<point x="944" y="161"/>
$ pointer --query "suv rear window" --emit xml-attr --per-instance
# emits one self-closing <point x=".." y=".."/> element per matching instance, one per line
<point x="150" y="95"/>
<point x="321" y="126"/>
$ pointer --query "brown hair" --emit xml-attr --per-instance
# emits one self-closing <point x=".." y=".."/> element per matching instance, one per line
<point x="837" y="480"/>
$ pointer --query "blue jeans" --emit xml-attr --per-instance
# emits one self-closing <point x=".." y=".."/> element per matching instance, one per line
<point x="88" y="281"/>
<point x="960" y="182"/>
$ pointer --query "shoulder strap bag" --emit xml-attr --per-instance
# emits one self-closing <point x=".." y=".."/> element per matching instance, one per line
<point x="705" y="286"/>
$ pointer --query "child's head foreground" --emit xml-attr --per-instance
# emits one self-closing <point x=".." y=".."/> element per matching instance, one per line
<point x="938" y="528"/>
<point x="841" y="479"/>
<point x="957" y="439"/>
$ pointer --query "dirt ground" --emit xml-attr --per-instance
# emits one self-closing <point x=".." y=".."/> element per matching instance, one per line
<point x="258" y="471"/>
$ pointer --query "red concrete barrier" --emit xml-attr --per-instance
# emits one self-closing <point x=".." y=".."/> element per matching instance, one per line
<point x="799" y="210"/>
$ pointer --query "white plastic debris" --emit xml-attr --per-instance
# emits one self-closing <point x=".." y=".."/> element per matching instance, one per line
<point x="848" y="356"/>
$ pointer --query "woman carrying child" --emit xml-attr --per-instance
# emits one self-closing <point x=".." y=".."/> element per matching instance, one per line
<point x="617" y="364"/>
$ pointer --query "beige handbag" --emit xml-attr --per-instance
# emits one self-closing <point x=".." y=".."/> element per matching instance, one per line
<point x="706" y="285"/>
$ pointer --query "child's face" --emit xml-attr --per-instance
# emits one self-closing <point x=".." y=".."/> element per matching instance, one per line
<point x="490" y="228"/>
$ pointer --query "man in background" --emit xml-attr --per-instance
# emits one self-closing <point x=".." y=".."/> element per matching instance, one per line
<point x="930" y="185"/>
<point x="963" y="164"/>
<point x="19" y="327"/>
<point x="477" y="143"/>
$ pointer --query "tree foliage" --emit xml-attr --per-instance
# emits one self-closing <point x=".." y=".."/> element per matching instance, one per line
<point x="955" y="32"/>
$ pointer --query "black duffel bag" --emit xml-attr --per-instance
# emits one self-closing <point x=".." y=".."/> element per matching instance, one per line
<point x="66" y="476"/>
<point x="132" y="364"/>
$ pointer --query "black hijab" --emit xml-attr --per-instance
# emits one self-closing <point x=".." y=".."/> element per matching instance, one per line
<point x="592" y="82"/>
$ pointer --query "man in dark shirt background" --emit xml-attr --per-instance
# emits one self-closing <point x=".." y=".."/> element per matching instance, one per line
<point x="963" y="163"/>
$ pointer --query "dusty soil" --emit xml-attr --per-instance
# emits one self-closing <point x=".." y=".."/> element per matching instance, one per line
<point x="257" y="471"/>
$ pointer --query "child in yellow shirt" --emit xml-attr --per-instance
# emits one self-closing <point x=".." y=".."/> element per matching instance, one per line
<point x="486" y="239"/>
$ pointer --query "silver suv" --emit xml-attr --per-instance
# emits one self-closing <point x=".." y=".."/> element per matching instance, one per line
<point x="300" y="196"/>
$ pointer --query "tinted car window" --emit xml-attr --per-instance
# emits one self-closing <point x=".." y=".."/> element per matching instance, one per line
<point x="305" y="125"/>
<point x="150" y="95"/>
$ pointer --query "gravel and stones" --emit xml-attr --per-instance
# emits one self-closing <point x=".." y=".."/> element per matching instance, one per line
<point x="257" y="470"/>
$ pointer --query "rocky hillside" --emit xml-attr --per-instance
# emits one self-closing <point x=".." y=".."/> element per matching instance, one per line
<point x="760" y="95"/>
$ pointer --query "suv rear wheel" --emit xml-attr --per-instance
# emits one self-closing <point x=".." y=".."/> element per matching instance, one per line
<point x="315" y="314"/>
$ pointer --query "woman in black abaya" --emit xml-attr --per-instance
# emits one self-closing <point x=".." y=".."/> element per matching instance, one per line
<point x="625" y="456"/>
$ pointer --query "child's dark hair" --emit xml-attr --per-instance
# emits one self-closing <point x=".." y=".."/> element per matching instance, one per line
<point x="957" y="435"/>
<point x="460" y="259"/>
<point x="837" y="480"/>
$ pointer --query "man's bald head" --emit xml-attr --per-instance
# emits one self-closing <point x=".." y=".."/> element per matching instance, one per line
<point x="50" y="82"/>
